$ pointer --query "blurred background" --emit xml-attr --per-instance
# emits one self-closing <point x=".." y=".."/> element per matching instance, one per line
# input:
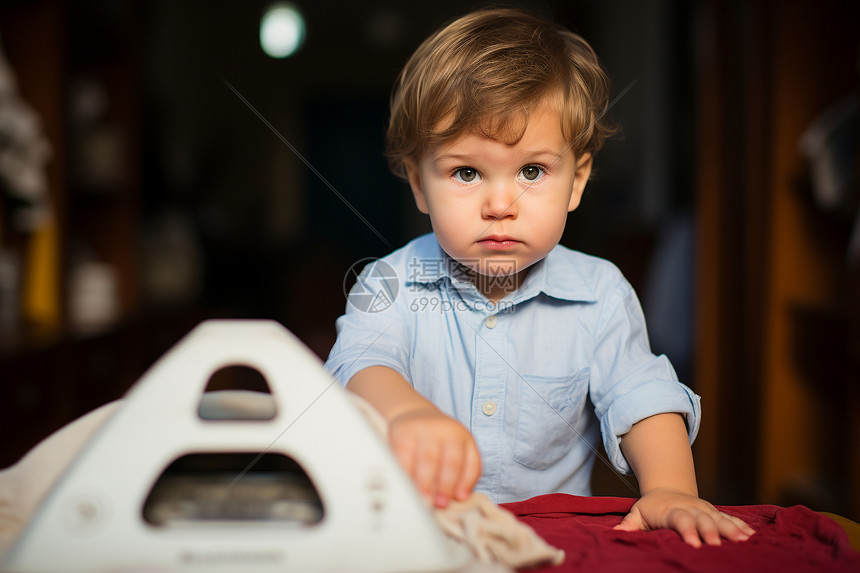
<point x="158" y="167"/>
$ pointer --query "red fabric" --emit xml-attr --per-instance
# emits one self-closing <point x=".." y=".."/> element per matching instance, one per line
<point x="786" y="540"/>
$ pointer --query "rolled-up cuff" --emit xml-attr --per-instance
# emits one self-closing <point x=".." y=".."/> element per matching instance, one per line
<point x="348" y="364"/>
<point x="657" y="397"/>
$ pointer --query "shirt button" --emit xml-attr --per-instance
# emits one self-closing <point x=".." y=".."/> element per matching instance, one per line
<point x="491" y="321"/>
<point x="489" y="408"/>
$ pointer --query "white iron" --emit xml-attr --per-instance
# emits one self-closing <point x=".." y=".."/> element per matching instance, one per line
<point x="373" y="519"/>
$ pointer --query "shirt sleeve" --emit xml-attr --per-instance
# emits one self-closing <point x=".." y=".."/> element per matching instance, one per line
<point x="369" y="336"/>
<point x="629" y="383"/>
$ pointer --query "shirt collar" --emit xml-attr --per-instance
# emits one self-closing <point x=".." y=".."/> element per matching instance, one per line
<point x="430" y="264"/>
<point x="556" y="277"/>
<point x="553" y="276"/>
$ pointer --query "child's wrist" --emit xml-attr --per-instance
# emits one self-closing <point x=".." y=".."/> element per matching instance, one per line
<point x="669" y="489"/>
<point x="410" y="410"/>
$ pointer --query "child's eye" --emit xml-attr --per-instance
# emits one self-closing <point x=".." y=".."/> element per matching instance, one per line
<point x="532" y="173"/>
<point x="466" y="175"/>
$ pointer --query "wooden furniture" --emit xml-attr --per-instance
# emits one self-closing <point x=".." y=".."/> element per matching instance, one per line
<point x="778" y="350"/>
<point x="78" y="70"/>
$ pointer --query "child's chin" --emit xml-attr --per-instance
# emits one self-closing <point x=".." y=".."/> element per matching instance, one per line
<point x="502" y="266"/>
<point x="510" y="270"/>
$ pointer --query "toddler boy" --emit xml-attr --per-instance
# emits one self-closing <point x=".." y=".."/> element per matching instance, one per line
<point x="498" y="357"/>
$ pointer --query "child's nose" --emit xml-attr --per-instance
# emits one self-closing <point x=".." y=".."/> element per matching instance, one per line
<point x="501" y="202"/>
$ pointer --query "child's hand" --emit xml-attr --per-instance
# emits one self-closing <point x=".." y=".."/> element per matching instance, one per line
<point x="438" y="453"/>
<point x="694" y="518"/>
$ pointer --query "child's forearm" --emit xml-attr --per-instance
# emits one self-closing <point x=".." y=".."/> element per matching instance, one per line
<point x="388" y="392"/>
<point x="658" y="451"/>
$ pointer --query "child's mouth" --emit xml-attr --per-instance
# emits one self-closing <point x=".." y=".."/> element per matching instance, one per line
<point x="498" y="243"/>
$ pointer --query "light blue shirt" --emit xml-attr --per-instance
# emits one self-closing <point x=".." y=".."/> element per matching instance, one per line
<point x="537" y="377"/>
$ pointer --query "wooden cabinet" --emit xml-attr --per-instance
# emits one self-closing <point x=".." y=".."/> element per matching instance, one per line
<point x="78" y="70"/>
<point x="778" y="364"/>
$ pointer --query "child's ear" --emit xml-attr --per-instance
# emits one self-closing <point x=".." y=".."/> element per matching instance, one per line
<point x="414" y="177"/>
<point x="580" y="178"/>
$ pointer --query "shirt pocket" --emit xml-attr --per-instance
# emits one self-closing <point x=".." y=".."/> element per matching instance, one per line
<point x="547" y="418"/>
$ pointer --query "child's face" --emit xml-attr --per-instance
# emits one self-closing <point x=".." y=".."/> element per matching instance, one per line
<point x="499" y="208"/>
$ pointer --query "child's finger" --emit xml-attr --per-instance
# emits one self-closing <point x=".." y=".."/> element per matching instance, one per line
<point x="470" y="472"/>
<point x="426" y="462"/>
<point x="686" y="526"/>
<point x="742" y="525"/>
<point x="450" y="466"/>
<point x="631" y="522"/>
<point x="734" y="528"/>
<point x="708" y="529"/>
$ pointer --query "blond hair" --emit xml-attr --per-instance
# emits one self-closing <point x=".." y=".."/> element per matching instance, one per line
<point x="484" y="73"/>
